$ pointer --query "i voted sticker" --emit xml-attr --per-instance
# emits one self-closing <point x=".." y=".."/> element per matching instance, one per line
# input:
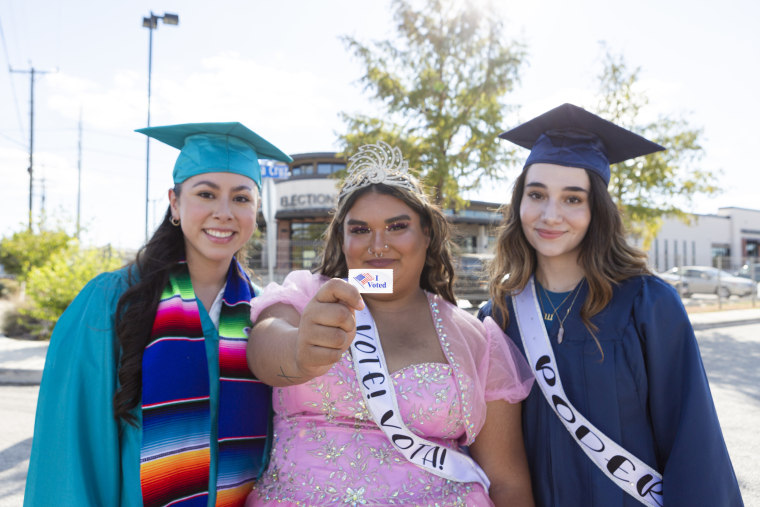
<point x="374" y="281"/>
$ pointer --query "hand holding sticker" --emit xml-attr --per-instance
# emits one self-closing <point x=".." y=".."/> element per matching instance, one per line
<point x="372" y="281"/>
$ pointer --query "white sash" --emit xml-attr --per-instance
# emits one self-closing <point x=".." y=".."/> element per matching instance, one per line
<point x="624" y="469"/>
<point x="380" y="397"/>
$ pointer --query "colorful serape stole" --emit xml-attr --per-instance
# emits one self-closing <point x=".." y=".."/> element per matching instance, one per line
<point x="176" y="454"/>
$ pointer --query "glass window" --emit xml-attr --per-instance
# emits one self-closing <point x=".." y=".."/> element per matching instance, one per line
<point x="305" y="240"/>
<point x="721" y="255"/>
<point x="325" y="168"/>
<point x="303" y="170"/>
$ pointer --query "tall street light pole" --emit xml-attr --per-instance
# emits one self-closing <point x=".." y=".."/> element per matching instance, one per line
<point x="151" y="23"/>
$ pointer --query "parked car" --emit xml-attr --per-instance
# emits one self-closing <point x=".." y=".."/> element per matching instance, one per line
<point x="709" y="280"/>
<point x="681" y="284"/>
<point x="751" y="271"/>
<point x="471" y="281"/>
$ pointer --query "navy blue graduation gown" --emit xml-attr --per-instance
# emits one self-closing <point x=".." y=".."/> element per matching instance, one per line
<point x="650" y="394"/>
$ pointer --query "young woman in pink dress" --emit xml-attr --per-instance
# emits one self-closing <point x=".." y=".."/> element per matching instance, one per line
<point x="456" y="381"/>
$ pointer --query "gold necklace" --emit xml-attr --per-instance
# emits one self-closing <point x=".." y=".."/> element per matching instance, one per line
<point x="550" y="316"/>
<point x="561" y="332"/>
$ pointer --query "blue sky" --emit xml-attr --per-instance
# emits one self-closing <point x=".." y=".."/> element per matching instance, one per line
<point x="280" y="68"/>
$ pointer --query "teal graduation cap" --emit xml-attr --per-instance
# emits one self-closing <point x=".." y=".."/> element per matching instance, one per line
<point x="216" y="147"/>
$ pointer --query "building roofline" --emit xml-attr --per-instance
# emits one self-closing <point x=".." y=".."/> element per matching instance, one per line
<point x="316" y="154"/>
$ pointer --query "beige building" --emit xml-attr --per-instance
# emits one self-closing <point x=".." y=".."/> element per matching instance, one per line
<point x="728" y="239"/>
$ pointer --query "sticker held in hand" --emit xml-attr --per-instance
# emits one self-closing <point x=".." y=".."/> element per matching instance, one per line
<point x="373" y="281"/>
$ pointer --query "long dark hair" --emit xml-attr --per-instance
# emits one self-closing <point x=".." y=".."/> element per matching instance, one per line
<point x="136" y="310"/>
<point x="437" y="273"/>
<point x="605" y="255"/>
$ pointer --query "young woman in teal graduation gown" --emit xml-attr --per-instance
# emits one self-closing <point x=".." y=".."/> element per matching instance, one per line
<point x="623" y="345"/>
<point x="146" y="398"/>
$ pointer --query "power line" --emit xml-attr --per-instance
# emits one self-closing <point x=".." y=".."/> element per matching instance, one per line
<point x="14" y="141"/>
<point x="10" y="78"/>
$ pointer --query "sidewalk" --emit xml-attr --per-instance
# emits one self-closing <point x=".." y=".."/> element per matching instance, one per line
<point x="21" y="361"/>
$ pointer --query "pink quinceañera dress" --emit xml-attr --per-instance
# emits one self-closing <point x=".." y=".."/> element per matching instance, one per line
<point x="327" y="450"/>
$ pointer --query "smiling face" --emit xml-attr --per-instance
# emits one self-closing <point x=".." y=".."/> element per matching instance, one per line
<point x="217" y="213"/>
<point x="376" y="220"/>
<point x="555" y="212"/>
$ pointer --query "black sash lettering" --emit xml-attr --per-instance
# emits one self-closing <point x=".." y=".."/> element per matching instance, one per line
<point x="594" y="444"/>
<point x="371" y="349"/>
<point x="648" y="486"/>
<point x="433" y="461"/>
<point x="419" y="448"/>
<point x="614" y="466"/>
<point x="566" y="413"/>
<point x="544" y="366"/>
<point x="385" y="418"/>
<point x="372" y="377"/>
<point x="402" y="438"/>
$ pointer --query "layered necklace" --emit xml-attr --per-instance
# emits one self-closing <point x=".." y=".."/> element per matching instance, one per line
<point x="549" y="316"/>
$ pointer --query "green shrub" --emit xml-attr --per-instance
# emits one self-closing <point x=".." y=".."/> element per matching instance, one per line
<point x="52" y="287"/>
<point x="18" y="325"/>
<point x="8" y="287"/>
<point x="26" y="250"/>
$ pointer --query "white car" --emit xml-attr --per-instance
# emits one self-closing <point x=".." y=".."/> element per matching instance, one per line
<point x="709" y="280"/>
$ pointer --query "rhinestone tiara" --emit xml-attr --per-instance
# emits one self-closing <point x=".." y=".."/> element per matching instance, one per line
<point x="377" y="163"/>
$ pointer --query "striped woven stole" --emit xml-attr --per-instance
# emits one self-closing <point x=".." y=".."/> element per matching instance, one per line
<point x="178" y="428"/>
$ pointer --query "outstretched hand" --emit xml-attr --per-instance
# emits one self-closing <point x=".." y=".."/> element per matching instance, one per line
<point x="327" y="327"/>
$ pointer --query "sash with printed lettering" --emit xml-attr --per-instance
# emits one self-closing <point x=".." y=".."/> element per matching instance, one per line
<point x="623" y="468"/>
<point x="380" y="397"/>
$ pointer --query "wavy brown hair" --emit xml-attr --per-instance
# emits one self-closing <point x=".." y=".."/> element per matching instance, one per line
<point x="605" y="255"/>
<point x="148" y="275"/>
<point x="437" y="273"/>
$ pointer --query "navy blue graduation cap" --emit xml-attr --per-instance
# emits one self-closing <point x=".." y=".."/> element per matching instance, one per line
<point x="571" y="136"/>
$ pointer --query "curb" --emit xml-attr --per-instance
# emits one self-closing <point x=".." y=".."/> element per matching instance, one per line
<point x="13" y="377"/>
<point x="33" y="376"/>
<point x="712" y="325"/>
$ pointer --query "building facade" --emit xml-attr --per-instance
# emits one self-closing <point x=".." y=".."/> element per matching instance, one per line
<point x="728" y="239"/>
<point x="304" y="202"/>
<point x="305" y="199"/>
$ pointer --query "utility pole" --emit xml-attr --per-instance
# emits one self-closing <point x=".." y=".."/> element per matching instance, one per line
<point x="32" y="71"/>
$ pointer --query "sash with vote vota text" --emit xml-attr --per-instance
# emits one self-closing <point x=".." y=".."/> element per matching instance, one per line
<point x="623" y="468"/>
<point x="380" y="397"/>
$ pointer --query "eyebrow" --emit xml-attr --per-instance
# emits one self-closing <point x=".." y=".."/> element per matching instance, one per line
<point x="216" y="187"/>
<point x="353" y="221"/>
<point x="566" y="189"/>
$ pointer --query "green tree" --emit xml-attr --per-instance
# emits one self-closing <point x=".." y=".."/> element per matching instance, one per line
<point x="29" y="249"/>
<point x="650" y="188"/>
<point x="54" y="285"/>
<point x="441" y="83"/>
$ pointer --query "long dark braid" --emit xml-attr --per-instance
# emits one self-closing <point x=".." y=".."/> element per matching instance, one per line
<point x="136" y="310"/>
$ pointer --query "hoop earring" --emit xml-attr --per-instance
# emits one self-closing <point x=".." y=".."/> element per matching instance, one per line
<point x="174" y="221"/>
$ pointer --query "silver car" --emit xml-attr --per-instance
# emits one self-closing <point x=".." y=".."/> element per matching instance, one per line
<point x="709" y="280"/>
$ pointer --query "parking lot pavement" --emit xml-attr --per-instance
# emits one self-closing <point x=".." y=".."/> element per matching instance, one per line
<point x="21" y="361"/>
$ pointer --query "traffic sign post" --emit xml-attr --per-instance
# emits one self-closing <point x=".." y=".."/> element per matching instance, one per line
<point x="271" y="171"/>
